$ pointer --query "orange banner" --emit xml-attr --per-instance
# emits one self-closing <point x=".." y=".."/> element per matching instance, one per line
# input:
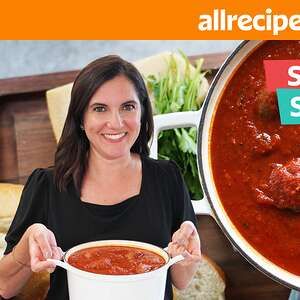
<point x="168" y="19"/>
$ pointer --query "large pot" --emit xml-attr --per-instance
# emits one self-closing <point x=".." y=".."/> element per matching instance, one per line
<point x="146" y="286"/>
<point x="211" y="203"/>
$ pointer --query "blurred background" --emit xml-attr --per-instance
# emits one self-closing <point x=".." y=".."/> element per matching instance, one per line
<point x="22" y="58"/>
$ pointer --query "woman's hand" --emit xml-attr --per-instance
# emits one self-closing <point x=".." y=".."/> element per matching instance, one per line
<point x="186" y="241"/>
<point x="42" y="245"/>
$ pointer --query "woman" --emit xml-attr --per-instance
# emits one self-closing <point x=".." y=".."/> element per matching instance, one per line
<point x="103" y="185"/>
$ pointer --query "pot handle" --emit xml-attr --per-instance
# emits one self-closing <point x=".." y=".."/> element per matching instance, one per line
<point x="202" y="207"/>
<point x="173" y="120"/>
<point x="175" y="260"/>
<point x="180" y="120"/>
<point x="59" y="263"/>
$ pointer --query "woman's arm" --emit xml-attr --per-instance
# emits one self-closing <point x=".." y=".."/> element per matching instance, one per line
<point x="185" y="241"/>
<point x="29" y="255"/>
<point x="14" y="275"/>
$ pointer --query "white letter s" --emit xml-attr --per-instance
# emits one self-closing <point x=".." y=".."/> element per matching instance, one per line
<point x="294" y="75"/>
<point x="295" y="105"/>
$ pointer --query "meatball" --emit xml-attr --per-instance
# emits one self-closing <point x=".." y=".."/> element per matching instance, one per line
<point x="266" y="106"/>
<point x="283" y="188"/>
<point x="257" y="142"/>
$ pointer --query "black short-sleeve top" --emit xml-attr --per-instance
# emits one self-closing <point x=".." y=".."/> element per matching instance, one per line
<point x="152" y="216"/>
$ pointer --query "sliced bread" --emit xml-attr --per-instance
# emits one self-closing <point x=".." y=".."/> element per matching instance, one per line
<point x="207" y="284"/>
<point x="9" y="199"/>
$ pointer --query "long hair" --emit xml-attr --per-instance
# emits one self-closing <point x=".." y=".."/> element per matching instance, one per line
<point x="73" y="147"/>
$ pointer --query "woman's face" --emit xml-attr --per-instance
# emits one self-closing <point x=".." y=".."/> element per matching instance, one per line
<point x="112" y="118"/>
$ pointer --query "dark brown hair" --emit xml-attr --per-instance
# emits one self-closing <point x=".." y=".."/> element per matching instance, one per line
<point x="73" y="146"/>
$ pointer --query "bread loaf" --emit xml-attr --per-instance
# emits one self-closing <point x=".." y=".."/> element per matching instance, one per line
<point x="207" y="284"/>
<point x="9" y="199"/>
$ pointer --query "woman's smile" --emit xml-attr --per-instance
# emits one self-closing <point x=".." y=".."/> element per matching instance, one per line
<point x="112" y="118"/>
<point x="114" y="137"/>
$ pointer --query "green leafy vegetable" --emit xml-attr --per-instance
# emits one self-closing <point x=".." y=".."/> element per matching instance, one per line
<point x="173" y="92"/>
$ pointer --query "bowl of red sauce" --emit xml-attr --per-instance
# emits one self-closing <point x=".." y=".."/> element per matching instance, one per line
<point x="116" y="260"/>
<point x="117" y="269"/>
<point x="250" y="163"/>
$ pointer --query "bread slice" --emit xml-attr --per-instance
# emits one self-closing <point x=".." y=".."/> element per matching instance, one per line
<point x="10" y="195"/>
<point x="207" y="284"/>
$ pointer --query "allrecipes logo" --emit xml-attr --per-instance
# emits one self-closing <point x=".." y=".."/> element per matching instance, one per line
<point x="221" y="20"/>
<point x="283" y="76"/>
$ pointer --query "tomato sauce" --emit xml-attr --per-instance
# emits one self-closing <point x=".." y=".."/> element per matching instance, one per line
<point x="247" y="143"/>
<point x="116" y="260"/>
